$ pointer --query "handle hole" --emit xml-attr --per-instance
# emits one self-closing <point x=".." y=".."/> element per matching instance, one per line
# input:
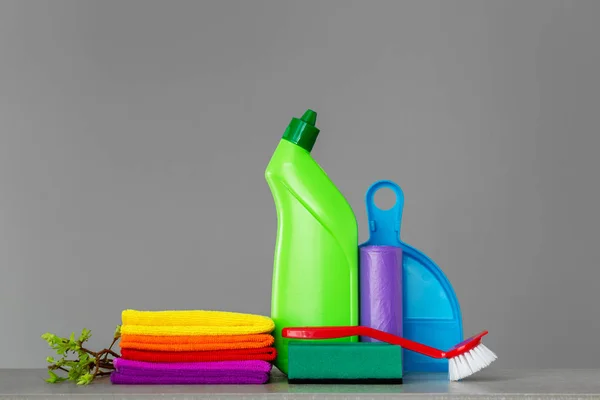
<point x="385" y="198"/>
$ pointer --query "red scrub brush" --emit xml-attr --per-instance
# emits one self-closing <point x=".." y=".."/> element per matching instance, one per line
<point x="464" y="359"/>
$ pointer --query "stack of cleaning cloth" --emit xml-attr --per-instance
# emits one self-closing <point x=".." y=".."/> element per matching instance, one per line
<point x="194" y="347"/>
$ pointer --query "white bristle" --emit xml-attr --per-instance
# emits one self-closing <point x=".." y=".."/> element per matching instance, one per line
<point x="451" y="368"/>
<point x="467" y="364"/>
<point x="478" y="357"/>
<point x="471" y="361"/>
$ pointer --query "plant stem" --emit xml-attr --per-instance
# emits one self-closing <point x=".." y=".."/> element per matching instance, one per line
<point x="88" y="351"/>
<point x="57" y="367"/>
<point x="112" y="353"/>
<point x="96" y="370"/>
<point x="113" y="343"/>
<point x="110" y="349"/>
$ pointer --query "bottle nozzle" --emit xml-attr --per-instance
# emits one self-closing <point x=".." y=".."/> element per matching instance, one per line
<point x="302" y="131"/>
<point x="310" y="117"/>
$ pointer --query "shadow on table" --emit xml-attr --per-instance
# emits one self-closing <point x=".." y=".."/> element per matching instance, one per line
<point x="414" y="383"/>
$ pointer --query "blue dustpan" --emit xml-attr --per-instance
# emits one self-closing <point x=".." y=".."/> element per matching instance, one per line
<point x="431" y="311"/>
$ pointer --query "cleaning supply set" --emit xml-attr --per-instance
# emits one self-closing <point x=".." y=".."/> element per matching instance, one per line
<point x="349" y="298"/>
<point x="340" y="312"/>
<point x="194" y="347"/>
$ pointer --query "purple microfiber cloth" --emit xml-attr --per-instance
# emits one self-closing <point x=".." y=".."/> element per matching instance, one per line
<point x="129" y="372"/>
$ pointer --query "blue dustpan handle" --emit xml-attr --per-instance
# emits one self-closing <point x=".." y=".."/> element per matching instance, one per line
<point x="384" y="225"/>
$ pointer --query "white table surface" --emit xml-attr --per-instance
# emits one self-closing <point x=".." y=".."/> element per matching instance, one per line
<point x="487" y="384"/>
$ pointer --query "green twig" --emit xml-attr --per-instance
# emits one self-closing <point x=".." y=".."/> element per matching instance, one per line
<point x="88" y="365"/>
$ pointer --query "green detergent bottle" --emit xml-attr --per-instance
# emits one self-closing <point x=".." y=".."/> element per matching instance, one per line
<point x="315" y="271"/>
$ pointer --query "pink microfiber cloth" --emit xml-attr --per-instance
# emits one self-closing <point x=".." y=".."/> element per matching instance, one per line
<point x="129" y="372"/>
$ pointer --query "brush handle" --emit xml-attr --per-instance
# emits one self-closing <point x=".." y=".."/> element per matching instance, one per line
<point x="336" y="332"/>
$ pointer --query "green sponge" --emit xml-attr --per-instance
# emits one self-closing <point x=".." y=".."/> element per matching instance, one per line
<point x="335" y="362"/>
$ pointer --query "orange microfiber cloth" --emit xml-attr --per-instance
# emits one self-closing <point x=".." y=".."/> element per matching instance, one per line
<point x="265" y="354"/>
<point x="195" y="343"/>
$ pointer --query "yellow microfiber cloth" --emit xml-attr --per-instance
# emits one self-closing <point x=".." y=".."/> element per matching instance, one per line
<point x="193" y="322"/>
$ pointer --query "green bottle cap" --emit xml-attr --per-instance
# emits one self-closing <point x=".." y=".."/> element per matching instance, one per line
<point x="303" y="131"/>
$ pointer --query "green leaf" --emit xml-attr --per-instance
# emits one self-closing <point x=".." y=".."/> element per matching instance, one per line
<point x="85" y="335"/>
<point x="50" y="360"/>
<point x="84" y="358"/>
<point x="72" y="343"/>
<point x="60" y="362"/>
<point x="117" y="332"/>
<point x="49" y="337"/>
<point x="70" y="363"/>
<point x="61" y="348"/>
<point x="75" y="373"/>
<point x="55" y="378"/>
<point x="54" y="341"/>
<point x="85" y="379"/>
<point x="82" y="355"/>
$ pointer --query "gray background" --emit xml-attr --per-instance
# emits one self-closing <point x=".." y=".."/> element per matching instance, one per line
<point x="134" y="137"/>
